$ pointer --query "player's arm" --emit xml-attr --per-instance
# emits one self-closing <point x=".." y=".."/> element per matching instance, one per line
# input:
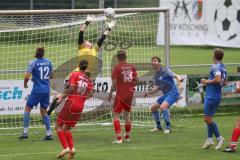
<point x="90" y="94"/>
<point x="89" y="19"/>
<point x="216" y="80"/>
<point x="178" y="78"/>
<point x="174" y="75"/>
<point x="105" y="33"/>
<point x="113" y="88"/>
<point x="154" y="90"/>
<point x="26" y="79"/>
<point x="28" y="74"/>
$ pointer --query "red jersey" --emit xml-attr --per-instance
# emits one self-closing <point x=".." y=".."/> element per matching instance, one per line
<point x="125" y="74"/>
<point x="83" y="86"/>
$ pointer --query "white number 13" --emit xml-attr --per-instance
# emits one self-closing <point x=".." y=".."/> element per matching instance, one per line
<point x="127" y="75"/>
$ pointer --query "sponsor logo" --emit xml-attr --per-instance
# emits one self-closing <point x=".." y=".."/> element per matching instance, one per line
<point x="7" y="93"/>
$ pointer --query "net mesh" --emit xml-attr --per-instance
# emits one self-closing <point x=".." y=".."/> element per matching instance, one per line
<point x="19" y="36"/>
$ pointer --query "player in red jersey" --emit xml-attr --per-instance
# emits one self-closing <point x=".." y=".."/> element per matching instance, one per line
<point x="80" y="88"/>
<point x="124" y="79"/>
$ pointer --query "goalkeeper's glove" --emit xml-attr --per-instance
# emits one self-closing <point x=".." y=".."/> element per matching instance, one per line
<point x="53" y="105"/>
<point x="89" y="19"/>
<point x="110" y="25"/>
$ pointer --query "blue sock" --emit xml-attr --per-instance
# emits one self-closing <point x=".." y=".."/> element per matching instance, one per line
<point x="166" y="118"/>
<point x="215" y="129"/>
<point x="46" y="121"/>
<point x="210" y="131"/>
<point x="26" y="120"/>
<point x="156" y="117"/>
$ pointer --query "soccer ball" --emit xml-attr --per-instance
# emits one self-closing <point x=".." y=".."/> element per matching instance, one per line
<point x="227" y="19"/>
<point x="109" y="13"/>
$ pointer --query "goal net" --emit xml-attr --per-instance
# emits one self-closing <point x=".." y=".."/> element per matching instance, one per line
<point x="57" y="30"/>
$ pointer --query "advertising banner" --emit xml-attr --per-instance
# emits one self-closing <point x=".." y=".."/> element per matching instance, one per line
<point x="202" y="22"/>
<point x="13" y="97"/>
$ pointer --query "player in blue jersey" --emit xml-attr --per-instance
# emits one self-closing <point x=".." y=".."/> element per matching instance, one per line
<point x="164" y="81"/>
<point x="41" y="71"/>
<point x="217" y="78"/>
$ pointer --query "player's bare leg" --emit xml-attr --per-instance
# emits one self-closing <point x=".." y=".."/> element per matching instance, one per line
<point x="156" y="116"/>
<point x="166" y="116"/>
<point x="117" y="127"/>
<point x="127" y="119"/>
<point x="62" y="138"/>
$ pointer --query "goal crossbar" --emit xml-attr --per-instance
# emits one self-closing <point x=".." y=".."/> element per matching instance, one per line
<point x="80" y="11"/>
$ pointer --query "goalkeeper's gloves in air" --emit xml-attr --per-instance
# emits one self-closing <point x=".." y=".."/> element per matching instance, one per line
<point x="89" y="19"/>
<point x="110" y="25"/>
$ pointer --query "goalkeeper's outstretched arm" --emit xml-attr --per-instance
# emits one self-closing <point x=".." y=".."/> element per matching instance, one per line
<point x="105" y="33"/>
<point x="89" y="19"/>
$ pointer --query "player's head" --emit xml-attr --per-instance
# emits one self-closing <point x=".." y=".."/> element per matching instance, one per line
<point x="218" y="54"/>
<point x="121" y="55"/>
<point x="156" y="62"/>
<point x="83" y="64"/>
<point x="39" y="52"/>
<point x="88" y="44"/>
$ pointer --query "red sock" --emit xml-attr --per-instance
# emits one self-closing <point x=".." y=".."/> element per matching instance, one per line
<point x="235" y="136"/>
<point x="69" y="139"/>
<point x="62" y="139"/>
<point x="128" y="127"/>
<point x="117" y="127"/>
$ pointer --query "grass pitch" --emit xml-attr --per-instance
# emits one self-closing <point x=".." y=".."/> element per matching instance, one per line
<point x="94" y="143"/>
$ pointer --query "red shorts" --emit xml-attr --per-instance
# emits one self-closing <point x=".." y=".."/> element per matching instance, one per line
<point x="70" y="114"/>
<point x="122" y="104"/>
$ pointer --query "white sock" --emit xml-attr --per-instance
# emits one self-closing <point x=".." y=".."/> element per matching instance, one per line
<point x="218" y="138"/>
<point x="49" y="133"/>
<point x="210" y="139"/>
<point x="25" y="130"/>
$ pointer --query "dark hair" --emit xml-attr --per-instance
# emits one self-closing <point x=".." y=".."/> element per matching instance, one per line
<point x="39" y="52"/>
<point x="121" y="55"/>
<point x="83" y="64"/>
<point x="157" y="58"/>
<point x="218" y="54"/>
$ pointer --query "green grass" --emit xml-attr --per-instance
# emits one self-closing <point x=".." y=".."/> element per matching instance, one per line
<point x="94" y="143"/>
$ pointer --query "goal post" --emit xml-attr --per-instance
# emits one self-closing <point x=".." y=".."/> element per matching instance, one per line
<point x="57" y="30"/>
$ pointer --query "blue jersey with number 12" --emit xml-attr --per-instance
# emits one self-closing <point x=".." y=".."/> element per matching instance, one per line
<point x="213" y="91"/>
<point x="41" y="70"/>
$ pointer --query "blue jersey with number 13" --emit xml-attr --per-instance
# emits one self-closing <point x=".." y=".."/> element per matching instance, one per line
<point x="41" y="70"/>
<point x="213" y="91"/>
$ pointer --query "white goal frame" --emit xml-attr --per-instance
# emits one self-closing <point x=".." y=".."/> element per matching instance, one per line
<point x="165" y="11"/>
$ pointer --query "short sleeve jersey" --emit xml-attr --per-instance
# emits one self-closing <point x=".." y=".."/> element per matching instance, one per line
<point x="213" y="91"/>
<point x="125" y="74"/>
<point x="41" y="70"/>
<point x="82" y="86"/>
<point x="164" y="80"/>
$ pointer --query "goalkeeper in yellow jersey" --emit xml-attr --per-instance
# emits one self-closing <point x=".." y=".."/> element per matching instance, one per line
<point x="87" y="51"/>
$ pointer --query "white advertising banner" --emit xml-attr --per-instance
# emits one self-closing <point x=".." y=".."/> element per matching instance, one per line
<point x="102" y="88"/>
<point x="202" y="22"/>
<point x="13" y="97"/>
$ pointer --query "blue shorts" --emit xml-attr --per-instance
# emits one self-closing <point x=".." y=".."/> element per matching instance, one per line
<point x="36" y="98"/>
<point x="170" y="97"/>
<point x="211" y="106"/>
